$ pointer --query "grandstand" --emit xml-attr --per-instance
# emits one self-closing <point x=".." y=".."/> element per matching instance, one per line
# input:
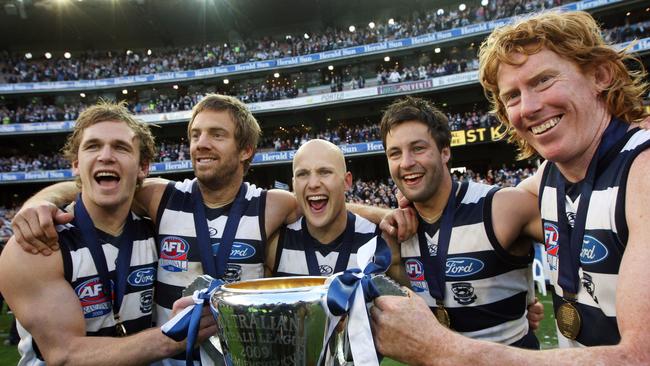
<point x="327" y="74"/>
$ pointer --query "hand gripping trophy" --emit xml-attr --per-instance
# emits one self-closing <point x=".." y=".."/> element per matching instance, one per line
<point x="296" y="320"/>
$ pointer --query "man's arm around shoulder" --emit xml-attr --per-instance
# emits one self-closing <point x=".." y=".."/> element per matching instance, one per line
<point x="271" y="253"/>
<point x="34" y="224"/>
<point x="532" y="183"/>
<point x="147" y="198"/>
<point x="515" y="215"/>
<point x="281" y="208"/>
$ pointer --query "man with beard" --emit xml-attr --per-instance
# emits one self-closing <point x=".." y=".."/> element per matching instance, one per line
<point x="470" y="259"/>
<point x="570" y="97"/>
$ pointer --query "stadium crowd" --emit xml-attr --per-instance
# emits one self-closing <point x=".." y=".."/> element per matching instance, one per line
<point x="348" y="134"/>
<point x="382" y="192"/>
<point x="16" y="68"/>
<point x="628" y="32"/>
<point x="25" y="163"/>
<point x="6" y="215"/>
<point x="431" y="70"/>
<point x="172" y="150"/>
<point x="37" y="111"/>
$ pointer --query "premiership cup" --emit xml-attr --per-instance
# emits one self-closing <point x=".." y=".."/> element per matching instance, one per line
<point x="277" y="321"/>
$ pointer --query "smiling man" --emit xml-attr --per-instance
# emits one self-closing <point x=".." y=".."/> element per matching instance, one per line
<point x="326" y="239"/>
<point x="216" y="223"/>
<point x="470" y="259"/>
<point x="100" y="284"/>
<point x="567" y="95"/>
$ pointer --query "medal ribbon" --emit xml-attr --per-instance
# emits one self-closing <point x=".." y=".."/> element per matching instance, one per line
<point x="125" y="248"/>
<point x="344" y="252"/>
<point x="570" y="240"/>
<point x="348" y="294"/>
<point x="185" y="324"/>
<point x="437" y="278"/>
<point x="216" y="267"/>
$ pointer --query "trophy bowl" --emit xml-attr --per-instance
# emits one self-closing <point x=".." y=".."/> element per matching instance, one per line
<point x="276" y="321"/>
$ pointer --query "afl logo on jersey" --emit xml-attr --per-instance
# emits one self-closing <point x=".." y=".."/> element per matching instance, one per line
<point x="551" y="235"/>
<point x="463" y="267"/>
<point x="551" y="240"/>
<point x="414" y="270"/>
<point x="173" y="254"/>
<point x="593" y="251"/>
<point x="93" y="301"/>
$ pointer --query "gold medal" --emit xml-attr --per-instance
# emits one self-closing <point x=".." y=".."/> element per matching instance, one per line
<point x="442" y="315"/>
<point x="568" y="320"/>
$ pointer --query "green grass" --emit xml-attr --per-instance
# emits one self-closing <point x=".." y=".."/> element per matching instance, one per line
<point x="546" y="334"/>
<point x="8" y="354"/>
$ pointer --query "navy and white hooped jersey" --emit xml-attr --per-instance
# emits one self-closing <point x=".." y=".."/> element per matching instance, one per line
<point x="180" y="261"/>
<point x="603" y="243"/>
<point x="487" y="288"/>
<point x="79" y="269"/>
<point x="290" y="259"/>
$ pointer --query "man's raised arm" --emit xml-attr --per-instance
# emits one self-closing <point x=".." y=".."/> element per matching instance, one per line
<point x="34" y="224"/>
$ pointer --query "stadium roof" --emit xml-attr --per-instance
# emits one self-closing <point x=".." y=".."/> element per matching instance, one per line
<point x="38" y="25"/>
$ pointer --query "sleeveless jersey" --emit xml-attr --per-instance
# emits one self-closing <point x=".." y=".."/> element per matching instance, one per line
<point x="604" y="240"/>
<point x="79" y="269"/>
<point x="487" y="288"/>
<point x="291" y="260"/>
<point x="180" y="261"/>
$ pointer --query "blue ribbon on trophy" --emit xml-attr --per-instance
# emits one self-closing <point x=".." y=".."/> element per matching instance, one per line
<point x="186" y="323"/>
<point x="348" y="294"/>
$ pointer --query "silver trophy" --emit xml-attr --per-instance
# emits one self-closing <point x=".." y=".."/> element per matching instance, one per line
<point x="282" y="321"/>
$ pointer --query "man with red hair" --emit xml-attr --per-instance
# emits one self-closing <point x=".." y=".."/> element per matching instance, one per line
<point x="566" y="95"/>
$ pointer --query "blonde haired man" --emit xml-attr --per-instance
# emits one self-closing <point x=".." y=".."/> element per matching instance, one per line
<point x="73" y="305"/>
